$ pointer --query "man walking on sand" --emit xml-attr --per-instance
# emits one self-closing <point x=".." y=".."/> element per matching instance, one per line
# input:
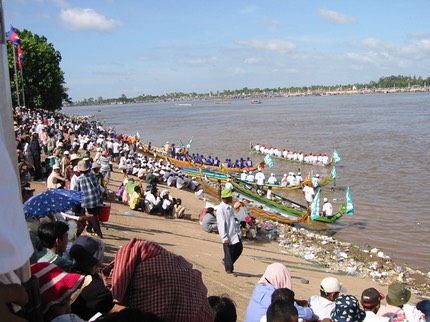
<point x="228" y="231"/>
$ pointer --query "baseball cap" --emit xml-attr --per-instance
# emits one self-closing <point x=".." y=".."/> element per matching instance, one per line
<point x="87" y="251"/>
<point x="371" y="297"/>
<point x="330" y="285"/>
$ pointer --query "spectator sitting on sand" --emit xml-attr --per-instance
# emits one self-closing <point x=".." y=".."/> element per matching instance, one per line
<point x="323" y="304"/>
<point x="224" y="308"/>
<point x="88" y="254"/>
<point x="209" y="223"/>
<point x="347" y="309"/>
<point x="397" y="309"/>
<point x="247" y="226"/>
<point x="58" y="289"/>
<point x="424" y="306"/>
<point x="137" y="201"/>
<point x="371" y="302"/>
<point x="154" y="201"/>
<point x="168" y="203"/>
<point x="276" y="276"/>
<point x="147" y="277"/>
<point x="282" y="311"/>
<point x="55" y="180"/>
<point x="54" y="238"/>
<point x="178" y="209"/>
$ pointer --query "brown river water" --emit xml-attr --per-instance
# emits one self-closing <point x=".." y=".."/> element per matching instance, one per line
<point x="384" y="142"/>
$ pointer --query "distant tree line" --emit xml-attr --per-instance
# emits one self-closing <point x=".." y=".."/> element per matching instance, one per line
<point x="384" y="82"/>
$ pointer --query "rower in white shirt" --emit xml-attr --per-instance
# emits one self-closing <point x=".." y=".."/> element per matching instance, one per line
<point x="327" y="209"/>
<point x="243" y="175"/>
<point x="272" y="179"/>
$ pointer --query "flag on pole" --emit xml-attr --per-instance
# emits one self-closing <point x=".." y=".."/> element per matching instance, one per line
<point x="348" y="201"/>
<point x="335" y="157"/>
<point x="20" y="57"/>
<point x="13" y="36"/>
<point x="315" y="206"/>
<point x="333" y="175"/>
<point x="268" y="160"/>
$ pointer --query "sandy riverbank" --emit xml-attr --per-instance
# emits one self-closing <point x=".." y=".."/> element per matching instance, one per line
<point x="186" y="238"/>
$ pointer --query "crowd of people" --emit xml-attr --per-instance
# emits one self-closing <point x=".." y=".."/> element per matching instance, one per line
<point x="145" y="282"/>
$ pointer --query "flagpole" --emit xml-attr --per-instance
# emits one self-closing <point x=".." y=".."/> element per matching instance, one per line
<point x="23" y="91"/>
<point x="16" y="75"/>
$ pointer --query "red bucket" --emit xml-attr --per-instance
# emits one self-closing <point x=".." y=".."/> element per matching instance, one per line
<point x="104" y="213"/>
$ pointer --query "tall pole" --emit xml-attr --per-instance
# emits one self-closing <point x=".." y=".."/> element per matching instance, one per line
<point x="16" y="75"/>
<point x="22" y="84"/>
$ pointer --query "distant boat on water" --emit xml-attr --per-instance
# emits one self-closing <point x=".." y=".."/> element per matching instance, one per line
<point x="255" y="102"/>
<point x="222" y="102"/>
<point x="184" y="104"/>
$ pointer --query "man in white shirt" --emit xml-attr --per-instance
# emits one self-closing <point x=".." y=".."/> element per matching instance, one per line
<point x="259" y="179"/>
<point x="309" y="192"/>
<point x="229" y="231"/>
<point x="323" y="304"/>
<point x="229" y="185"/>
<point x="250" y="177"/>
<point x="243" y="175"/>
<point x="327" y="209"/>
<point x="299" y="178"/>
<point x="272" y="179"/>
<point x="371" y="302"/>
<point x="54" y="178"/>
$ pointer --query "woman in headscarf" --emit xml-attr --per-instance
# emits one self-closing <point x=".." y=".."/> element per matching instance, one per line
<point x="276" y="276"/>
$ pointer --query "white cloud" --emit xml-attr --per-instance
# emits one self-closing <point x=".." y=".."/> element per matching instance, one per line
<point x="275" y="23"/>
<point x="276" y="45"/>
<point x="370" y="43"/>
<point x="252" y="60"/>
<point x="335" y="17"/>
<point x="419" y="35"/>
<point x="237" y="71"/>
<point x="86" y="19"/>
<point x="198" y="61"/>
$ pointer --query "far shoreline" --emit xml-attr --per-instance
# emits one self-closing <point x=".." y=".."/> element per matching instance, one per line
<point x="187" y="98"/>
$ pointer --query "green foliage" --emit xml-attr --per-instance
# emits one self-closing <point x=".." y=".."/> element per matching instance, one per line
<point x="44" y="83"/>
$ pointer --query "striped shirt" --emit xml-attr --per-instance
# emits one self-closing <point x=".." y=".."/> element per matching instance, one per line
<point x="88" y="184"/>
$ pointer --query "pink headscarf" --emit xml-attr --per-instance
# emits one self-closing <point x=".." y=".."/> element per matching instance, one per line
<point x="277" y="275"/>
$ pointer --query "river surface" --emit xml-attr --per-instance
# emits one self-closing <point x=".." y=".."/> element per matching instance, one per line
<point x="384" y="142"/>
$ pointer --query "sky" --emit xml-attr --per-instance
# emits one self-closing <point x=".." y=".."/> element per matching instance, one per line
<point x="142" y="47"/>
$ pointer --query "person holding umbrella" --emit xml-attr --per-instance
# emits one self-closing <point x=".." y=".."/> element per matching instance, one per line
<point x="92" y="192"/>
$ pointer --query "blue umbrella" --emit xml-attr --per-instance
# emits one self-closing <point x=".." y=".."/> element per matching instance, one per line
<point x="51" y="202"/>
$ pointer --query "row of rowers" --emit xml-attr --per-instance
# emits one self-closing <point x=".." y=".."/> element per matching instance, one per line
<point x="229" y="163"/>
<point x="169" y="174"/>
<point x="293" y="155"/>
<point x="288" y="180"/>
